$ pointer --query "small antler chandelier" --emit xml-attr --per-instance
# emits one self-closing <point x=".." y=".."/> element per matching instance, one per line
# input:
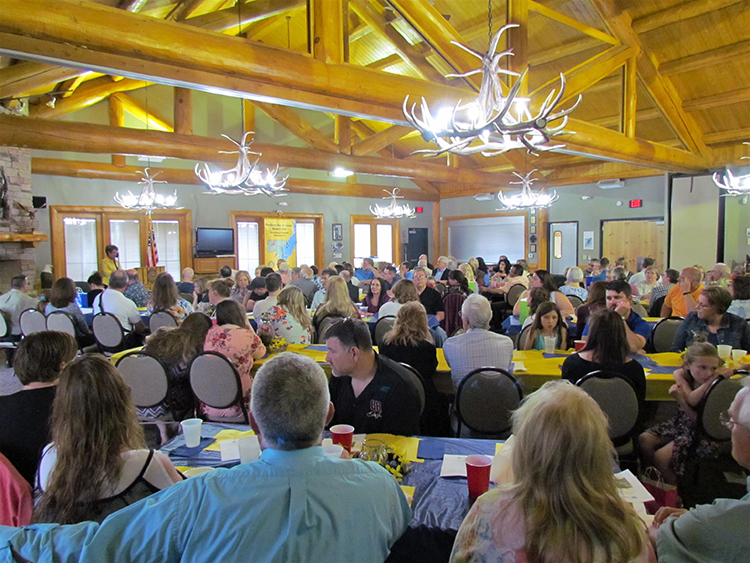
<point x="527" y="198"/>
<point x="394" y="210"/>
<point x="148" y="200"/>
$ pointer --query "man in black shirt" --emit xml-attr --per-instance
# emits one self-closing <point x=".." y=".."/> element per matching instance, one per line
<point x="369" y="391"/>
<point x="429" y="297"/>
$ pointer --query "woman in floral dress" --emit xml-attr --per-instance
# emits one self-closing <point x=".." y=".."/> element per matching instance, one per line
<point x="288" y="319"/>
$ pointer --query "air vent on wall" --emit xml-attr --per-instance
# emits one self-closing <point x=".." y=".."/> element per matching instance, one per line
<point x="610" y="184"/>
<point x="484" y="197"/>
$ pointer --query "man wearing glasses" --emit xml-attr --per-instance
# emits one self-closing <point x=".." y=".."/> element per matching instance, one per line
<point x="712" y="532"/>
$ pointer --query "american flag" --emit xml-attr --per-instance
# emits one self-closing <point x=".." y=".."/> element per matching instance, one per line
<point x="152" y="254"/>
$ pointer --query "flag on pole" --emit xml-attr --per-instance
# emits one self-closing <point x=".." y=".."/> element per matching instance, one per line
<point x="152" y="254"/>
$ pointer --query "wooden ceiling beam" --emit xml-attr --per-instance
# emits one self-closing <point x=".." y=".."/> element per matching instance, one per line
<point x="380" y="140"/>
<point x="87" y="95"/>
<point x="594" y="172"/>
<point x="586" y="74"/>
<point x="727" y="136"/>
<point x="367" y="14"/>
<point x="183" y="9"/>
<point x="241" y="15"/>
<point x="717" y="100"/>
<point x="143" y="114"/>
<point x="680" y="12"/>
<point x="660" y="88"/>
<point x="298" y="126"/>
<point x="565" y="50"/>
<point x="385" y="62"/>
<point x="707" y="58"/>
<point x="25" y="76"/>
<point x="543" y="10"/>
<point x="517" y="39"/>
<point x="187" y="177"/>
<point x="45" y="134"/>
<point x="615" y="120"/>
<point x="264" y="26"/>
<point x="132" y="5"/>
<point x="328" y="27"/>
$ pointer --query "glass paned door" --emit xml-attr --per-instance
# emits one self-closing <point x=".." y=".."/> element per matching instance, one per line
<point x="167" y="236"/>
<point x="81" y="252"/>
<point x="125" y="234"/>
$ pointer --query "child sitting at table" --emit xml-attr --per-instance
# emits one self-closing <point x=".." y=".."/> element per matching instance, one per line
<point x="666" y="446"/>
<point x="548" y="321"/>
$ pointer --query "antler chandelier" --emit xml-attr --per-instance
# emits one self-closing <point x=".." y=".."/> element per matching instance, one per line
<point x="734" y="185"/>
<point x="493" y="123"/>
<point x="394" y="210"/>
<point x="245" y="178"/>
<point x="148" y="200"/>
<point x="527" y="198"/>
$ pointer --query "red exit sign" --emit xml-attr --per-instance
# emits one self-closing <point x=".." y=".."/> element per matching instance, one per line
<point x="420" y="209"/>
<point x="635" y="203"/>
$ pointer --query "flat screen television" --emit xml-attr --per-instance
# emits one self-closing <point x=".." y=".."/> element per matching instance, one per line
<point x="214" y="242"/>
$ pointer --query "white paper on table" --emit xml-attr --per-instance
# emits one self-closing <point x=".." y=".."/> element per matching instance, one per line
<point x="229" y="450"/>
<point x="631" y="489"/>
<point x="357" y="440"/>
<point x="518" y="367"/>
<point x="453" y="466"/>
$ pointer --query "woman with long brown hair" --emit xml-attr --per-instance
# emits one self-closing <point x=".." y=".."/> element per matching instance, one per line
<point x="165" y="297"/>
<point x="97" y="462"/>
<point x="596" y="301"/>
<point x="288" y="319"/>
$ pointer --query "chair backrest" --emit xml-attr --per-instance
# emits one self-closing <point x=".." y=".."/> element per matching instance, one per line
<point x="521" y="342"/>
<point x="416" y="378"/>
<point x="187" y="296"/>
<point x="323" y="327"/>
<point x="3" y="325"/>
<point x="639" y="310"/>
<point x="160" y="319"/>
<point x="85" y="287"/>
<point x="485" y="400"/>
<point x="382" y="327"/>
<point x="663" y="334"/>
<point x="215" y="382"/>
<point x="575" y="300"/>
<point x="514" y="293"/>
<point x="32" y="321"/>
<point x="440" y="287"/>
<point x="717" y="400"/>
<point x="452" y="304"/>
<point x="146" y="376"/>
<point x="617" y="398"/>
<point x="61" y="322"/>
<point x="655" y="309"/>
<point x="108" y="331"/>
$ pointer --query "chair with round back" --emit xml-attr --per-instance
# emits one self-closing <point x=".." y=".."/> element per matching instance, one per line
<point x="485" y="400"/>
<point x="187" y="296"/>
<point x="440" y="288"/>
<point x="216" y="383"/>
<point x="574" y="300"/>
<point x="514" y="294"/>
<point x="323" y="327"/>
<point x="416" y="378"/>
<point x="160" y="319"/>
<point x="617" y="398"/>
<point x="382" y="327"/>
<point x="4" y="328"/>
<point x="32" y="321"/>
<point x="146" y="376"/>
<point x="663" y="334"/>
<point x="109" y="334"/>
<point x="654" y="310"/>
<point x="61" y="322"/>
<point x="521" y="341"/>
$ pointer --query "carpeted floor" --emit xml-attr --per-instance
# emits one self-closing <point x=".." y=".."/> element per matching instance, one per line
<point x="8" y="381"/>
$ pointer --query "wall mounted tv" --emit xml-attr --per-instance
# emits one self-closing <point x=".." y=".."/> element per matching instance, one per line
<point x="214" y="242"/>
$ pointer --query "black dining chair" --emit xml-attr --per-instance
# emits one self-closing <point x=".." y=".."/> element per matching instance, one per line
<point x="416" y="378"/>
<point x="216" y="383"/>
<point x="485" y="400"/>
<point x="663" y="335"/>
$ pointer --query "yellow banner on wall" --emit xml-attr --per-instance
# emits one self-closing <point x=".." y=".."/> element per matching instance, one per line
<point x="281" y="241"/>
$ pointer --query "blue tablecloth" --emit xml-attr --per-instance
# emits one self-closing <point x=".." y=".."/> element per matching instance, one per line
<point x="89" y="318"/>
<point x="440" y="504"/>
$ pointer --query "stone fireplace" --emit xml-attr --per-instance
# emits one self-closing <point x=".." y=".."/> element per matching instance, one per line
<point x="17" y="251"/>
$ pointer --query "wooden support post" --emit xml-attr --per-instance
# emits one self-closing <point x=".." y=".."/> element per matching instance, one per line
<point x="248" y="109"/>
<point x="437" y="232"/>
<point x="183" y="111"/>
<point x="629" y="99"/>
<point x="117" y="119"/>
<point x="343" y="133"/>
<point x="328" y="21"/>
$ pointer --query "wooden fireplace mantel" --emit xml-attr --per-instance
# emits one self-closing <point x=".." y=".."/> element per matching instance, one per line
<point x="32" y="238"/>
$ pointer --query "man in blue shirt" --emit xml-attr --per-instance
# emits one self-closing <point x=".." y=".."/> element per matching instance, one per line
<point x="620" y="300"/>
<point x="366" y="272"/>
<point x="294" y="504"/>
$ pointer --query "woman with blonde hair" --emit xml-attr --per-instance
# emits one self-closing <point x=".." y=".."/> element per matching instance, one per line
<point x="404" y="291"/>
<point x="288" y="319"/>
<point x="337" y="303"/>
<point x="576" y="517"/>
<point x="240" y="290"/>
<point x="166" y="298"/>
<point x="97" y="462"/>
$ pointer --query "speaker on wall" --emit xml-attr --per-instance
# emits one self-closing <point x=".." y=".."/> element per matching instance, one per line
<point x="39" y="201"/>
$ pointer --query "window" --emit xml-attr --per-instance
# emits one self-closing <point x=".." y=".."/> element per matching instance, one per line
<point x="79" y="236"/>
<point x="252" y="247"/>
<point x="167" y="235"/>
<point x="80" y="254"/>
<point x="375" y="237"/>
<point x="557" y="246"/>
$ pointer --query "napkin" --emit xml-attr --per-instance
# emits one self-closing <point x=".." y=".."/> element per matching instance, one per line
<point x="227" y="434"/>
<point x="184" y="451"/>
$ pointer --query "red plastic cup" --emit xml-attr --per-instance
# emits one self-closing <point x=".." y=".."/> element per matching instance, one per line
<point x="478" y="474"/>
<point x="579" y="344"/>
<point x="342" y="434"/>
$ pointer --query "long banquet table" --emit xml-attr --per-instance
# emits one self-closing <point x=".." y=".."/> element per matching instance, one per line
<point x="439" y="504"/>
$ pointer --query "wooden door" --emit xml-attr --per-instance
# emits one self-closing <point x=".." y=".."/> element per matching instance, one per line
<point x="634" y="239"/>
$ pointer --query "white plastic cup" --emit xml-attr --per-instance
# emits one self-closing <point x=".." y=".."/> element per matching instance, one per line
<point x="191" y="428"/>
<point x="249" y="449"/>
<point x="724" y="351"/>
<point x="738" y="354"/>
<point x="549" y="344"/>
<point x="334" y="450"/>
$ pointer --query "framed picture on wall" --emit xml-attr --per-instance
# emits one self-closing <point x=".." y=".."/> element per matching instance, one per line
<point x="532" y="229"/>
<point x="337" y="232"/>
<point x="588" y="240"/>
<point x="532" y="248"/>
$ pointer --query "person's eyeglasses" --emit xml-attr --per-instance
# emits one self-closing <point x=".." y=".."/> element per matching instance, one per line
<point x="726" y="420"/>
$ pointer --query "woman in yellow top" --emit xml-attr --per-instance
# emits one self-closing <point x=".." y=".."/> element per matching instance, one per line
<point x="110" y="263"/>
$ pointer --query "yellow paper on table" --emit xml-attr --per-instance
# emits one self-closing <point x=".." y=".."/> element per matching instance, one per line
<point x="498" y="447"/>
<point x="182" y="468"/>
<point x="404" y="445"/>
<point x="227" y="434"/>
<point x="409" y="492"/>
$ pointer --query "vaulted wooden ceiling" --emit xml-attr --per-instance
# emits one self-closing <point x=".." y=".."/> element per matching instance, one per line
<point x="664" y="84"/>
